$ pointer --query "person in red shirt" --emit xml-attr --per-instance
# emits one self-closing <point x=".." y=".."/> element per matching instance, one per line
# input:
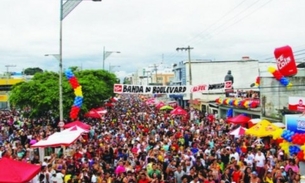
<point x="237" y="174"/>
<point x="144" y="178"/>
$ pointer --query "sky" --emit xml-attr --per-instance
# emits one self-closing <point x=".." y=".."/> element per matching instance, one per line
<point x="147" y="32"/>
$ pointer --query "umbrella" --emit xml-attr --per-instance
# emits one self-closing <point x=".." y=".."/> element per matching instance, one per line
<point x="238" y="132"/>
<point x="33" y="141"/>
<point x="239" y="119"/>
<point x="179" y="111"/>
<point x="101" y="110"/>
<point x="262" y="129"/>
<point x="166" y="107"/>
<point x="159" y="105"/>
<point x="93" y="114"/>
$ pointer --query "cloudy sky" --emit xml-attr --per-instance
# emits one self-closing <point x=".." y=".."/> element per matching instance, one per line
<point x="143" y="31"/>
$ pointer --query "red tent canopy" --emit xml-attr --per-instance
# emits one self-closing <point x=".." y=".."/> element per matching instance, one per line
<point x="12" y="171"/>
<point x="178" y="107"/>
<point x="79" y="124"/>
<point x="179" y="111"/>
<point x="239" y="119"/>
<point x="159" y="105"/>
<point x="93" y="114"/>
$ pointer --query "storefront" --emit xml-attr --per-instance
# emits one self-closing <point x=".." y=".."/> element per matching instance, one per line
<point x="248" y="106"/>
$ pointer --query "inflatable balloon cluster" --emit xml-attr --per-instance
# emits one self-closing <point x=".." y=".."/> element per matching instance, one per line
<point x="279" y="77"/>
<point x="285" y="146"/>
<point x="294" y="149"/>
<point x="257" y="81"/>
<point x="298" y="138"/>
<point x="244" y="103"/>
<point x="78" y="100"/>
<point x="292" y="143"/>
<point x="287" y="135"/>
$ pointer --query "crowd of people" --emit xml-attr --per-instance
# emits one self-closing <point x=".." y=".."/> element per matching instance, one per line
<point x="139" y="143"/>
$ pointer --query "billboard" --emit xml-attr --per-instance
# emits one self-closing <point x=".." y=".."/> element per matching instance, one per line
<point x="295" y="123"/>
<point x="296" y="104"/>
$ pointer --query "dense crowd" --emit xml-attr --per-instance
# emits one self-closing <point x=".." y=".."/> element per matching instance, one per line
<point x="137" y="143"/>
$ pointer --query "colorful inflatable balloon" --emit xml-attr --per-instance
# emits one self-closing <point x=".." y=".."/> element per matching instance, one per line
<point x="78" y="100"/>
<point x="279" y="77"/>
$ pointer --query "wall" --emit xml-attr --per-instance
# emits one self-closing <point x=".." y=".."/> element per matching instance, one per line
<point x="10" y="81"/>
<point x="212" y="72"/>
<point x="274" y="96"/>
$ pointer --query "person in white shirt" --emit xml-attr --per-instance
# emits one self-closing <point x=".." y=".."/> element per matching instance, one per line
<point x="94" y="178"/>
<point x="249" y="159"/>
<point x="260" y="163"/>
<point x="234" y="154"/>
<point x="59" y="178"/>
<point x="178" y="174"/>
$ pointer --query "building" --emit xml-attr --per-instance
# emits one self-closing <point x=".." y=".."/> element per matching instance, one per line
<point x="5" y="87"/>
<point x="208" y="72"/>
<point x="274" y="98"/>
<point x="153" y="74"/>
<point x="164" y="77"/>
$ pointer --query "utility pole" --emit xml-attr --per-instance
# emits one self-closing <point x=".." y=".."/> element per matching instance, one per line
<point x="156" y="71"/>
<point x="188" y="49"/>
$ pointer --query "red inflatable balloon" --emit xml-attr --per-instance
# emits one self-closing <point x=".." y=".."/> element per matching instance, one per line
<point x="74" y="82"/>
<point x="300" y="155"/>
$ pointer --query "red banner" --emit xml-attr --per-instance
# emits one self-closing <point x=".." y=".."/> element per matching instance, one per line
<point x="296" y="104"/>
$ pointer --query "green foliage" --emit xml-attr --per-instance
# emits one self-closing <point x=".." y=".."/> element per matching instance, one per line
<point x="32" y="71"/>
<point x="41" y="94"/>
<point x="126" y="81"/>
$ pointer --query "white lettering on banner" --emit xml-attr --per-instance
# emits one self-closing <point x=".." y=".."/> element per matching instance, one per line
<point x="282" y="61"/>
<point x="301" y="124"/>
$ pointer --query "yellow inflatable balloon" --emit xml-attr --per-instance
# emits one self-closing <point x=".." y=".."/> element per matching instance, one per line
<point x="271" y="69"/>
<point x="289" y="85"/>
<point x="303" y="147"/>
<point x="246" y="104"/>
<point x="277" y="134"/>
<point x="236" y="102"/>
<point x="78" y="91"/>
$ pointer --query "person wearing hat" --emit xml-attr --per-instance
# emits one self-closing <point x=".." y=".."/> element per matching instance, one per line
<point x="254" y="178"/>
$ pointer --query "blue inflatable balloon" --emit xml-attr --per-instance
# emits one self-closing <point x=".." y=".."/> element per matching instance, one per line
<point x="284" y="81"/>
<point x="69" y="74"/>
<point x="287" y="135"/>
<point x="231" y="102"/>
<point x="294" y="149"/>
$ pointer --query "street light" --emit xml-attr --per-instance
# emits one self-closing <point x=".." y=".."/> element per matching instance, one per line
<point x="65" y="9"/>
<point x="106" y="54"/>
<point x="7" y="83"/>
<point x="61" y="111"/>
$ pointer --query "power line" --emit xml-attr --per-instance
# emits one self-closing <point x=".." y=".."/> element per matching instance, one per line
<point x="234" y="17"/>
<point x="240" y="19"/>
<point x="209" y="27"/>
<point x="207" y="38"/>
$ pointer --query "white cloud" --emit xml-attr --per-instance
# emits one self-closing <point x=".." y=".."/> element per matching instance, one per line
<point x="144" y="30"/>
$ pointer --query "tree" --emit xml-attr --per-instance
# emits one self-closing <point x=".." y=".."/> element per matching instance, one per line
<point x="126" y="81"/>
<point x="32" y="71"/>
<point x="41" y="94"/>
